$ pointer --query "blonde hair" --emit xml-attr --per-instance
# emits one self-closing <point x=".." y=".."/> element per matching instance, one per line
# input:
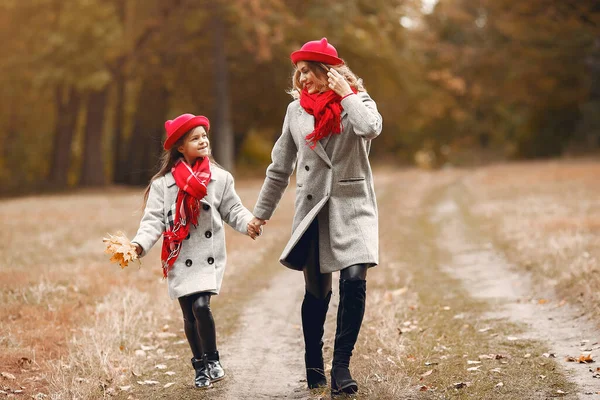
<point x="320" y="71"/>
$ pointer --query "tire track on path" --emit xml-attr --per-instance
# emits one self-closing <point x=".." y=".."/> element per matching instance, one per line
<point x="488" y="275"/>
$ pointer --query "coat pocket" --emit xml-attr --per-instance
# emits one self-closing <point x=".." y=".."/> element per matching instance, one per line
<point x="350" y="180"/>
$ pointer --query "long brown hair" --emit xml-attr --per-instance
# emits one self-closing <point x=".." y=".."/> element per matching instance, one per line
<point x="320" y="71"/>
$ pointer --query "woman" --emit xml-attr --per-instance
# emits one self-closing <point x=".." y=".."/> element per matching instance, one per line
<point x="327" y="132"/>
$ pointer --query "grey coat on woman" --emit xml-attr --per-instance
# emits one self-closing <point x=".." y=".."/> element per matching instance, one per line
<point x="334" y="185"/>
<point x="201" y="262"/>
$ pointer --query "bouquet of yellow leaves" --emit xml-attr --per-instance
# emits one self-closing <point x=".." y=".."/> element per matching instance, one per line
<point x="121" y="248"/>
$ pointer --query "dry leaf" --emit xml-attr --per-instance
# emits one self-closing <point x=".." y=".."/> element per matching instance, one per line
<point x="7" y="375"/>
<point x="473" y="369"/>
<point x="460" y="385"/>
<point x="423" y="375"/>
<point x="168" y="385"/>
<point x="470" y="362"/>
<point x="585" y="358"/>
<point x="423" y="388"/>
<point x="121" y="249"/>
<point x="499" y="384"/>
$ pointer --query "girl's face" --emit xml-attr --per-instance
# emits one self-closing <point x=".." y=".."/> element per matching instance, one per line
<point x="308" y="79"/>
<point x="195" y="145"/>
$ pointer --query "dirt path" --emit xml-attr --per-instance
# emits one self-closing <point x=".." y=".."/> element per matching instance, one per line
<point x="486" y="274"/>
<point x="265" y="354"/>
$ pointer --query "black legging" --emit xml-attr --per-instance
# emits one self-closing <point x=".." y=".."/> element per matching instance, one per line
<point x="198" y="323"/>
<point x="319" y="284"/>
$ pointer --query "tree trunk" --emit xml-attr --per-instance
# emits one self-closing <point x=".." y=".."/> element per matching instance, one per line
<point x="66" y="119"/>
<point x="92" y="173"/>
<point x="222" y="140"/>
<point x="118" y="173"/>
<point x="146" y="139"/>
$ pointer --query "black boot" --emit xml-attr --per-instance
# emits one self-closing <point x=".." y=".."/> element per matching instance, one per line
<point x="215" y="370"/>
<point x="349" y="318"/>
<point x="202" y="379"/>
<point x="314" y="311"/>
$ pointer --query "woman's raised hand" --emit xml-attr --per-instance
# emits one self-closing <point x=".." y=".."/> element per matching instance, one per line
<point x="337" y="83"/>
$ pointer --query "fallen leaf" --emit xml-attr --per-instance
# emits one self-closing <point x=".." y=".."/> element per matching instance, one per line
<point x="542" y="377"/>
<point x="160" y="366"/>
<point x="512" y="338"/>
<point x="460" y="385"/>
<point x="470" y="362"/>
<point x="585" y="358"/>
<point x="560" y="391"/>
<point x="542" y="301"/>
<point x="423" y="375"/>
<point x="549" y="355"/>
<point x="125" y="388"/>
<point x="7" y="375"/>
<point x="446" y="308"/>
<point x="473" y="369"/>
<point x="423" y="388"/>
<point x="170" y="373"/>
<point x="483" y="330"/>
<point x="527" y="355"/>
<point x="168" y="385"/>
<point x="496" y="370"/>
<point x="499" y="384"/>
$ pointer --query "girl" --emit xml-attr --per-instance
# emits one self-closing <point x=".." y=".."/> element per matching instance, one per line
<point x="328" y="129"/>
<point x="186" y="203"/>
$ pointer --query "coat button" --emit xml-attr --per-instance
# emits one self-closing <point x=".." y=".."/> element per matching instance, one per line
<point x="208" y="234"/>
<point x="188" y="263"/>
<point x="306" y="167"/>
<point x="309" y="197"/>
<point x="211" y="260"/>
<point x="205" y="207"/>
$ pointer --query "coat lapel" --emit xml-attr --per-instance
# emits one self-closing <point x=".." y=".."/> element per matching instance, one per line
<point x="308" y="124"/>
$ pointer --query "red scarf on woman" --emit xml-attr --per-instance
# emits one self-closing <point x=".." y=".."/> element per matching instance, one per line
<point x="326" y="107"/>
<point x="192" y="183"/>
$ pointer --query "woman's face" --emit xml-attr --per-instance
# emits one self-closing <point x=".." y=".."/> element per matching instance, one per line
<point x="195" y="145"/>
<point x="308" y="79"/>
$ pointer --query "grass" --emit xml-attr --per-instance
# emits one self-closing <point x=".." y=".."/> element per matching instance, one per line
<point x="546" y="218"/>
<point x="417" y="339"/>
<point x="74" y="326"/>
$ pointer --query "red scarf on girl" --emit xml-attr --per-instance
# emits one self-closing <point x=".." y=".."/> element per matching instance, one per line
<point x="326" y="107"/>
<point x="192" y="183"/>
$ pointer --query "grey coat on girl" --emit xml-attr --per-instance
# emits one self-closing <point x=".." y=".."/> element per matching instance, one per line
<point x="334" y="185"/>
<point x="201" y="262"/>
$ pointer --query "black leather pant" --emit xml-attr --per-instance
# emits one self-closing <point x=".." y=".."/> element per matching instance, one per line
<point x="319" y="284"/>
<point x="198" y="323"/>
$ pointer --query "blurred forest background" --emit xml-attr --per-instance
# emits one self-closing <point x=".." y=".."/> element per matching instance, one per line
<point x="86" y="85"/>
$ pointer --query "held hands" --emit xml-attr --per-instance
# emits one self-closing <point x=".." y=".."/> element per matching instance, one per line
<point x="255" y="227"/>
<point x="337" y="83"/>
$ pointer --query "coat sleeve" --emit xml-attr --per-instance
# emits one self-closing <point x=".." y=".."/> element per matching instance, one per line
<point x="152" y="225"/>
<point x="283" y="158"/>
<point x="363" y="115"/>
<point x="231" y="208"/>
